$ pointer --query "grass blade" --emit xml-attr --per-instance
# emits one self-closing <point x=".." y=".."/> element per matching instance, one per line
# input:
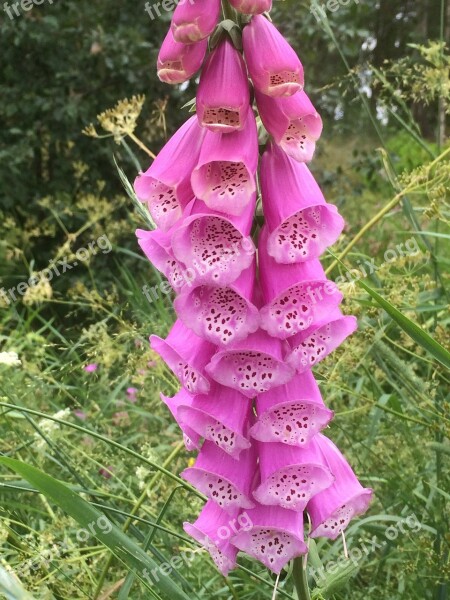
<point x="88" y="518"/>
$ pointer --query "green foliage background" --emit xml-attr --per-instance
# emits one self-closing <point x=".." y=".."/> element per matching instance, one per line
<point x="383" y="160"/>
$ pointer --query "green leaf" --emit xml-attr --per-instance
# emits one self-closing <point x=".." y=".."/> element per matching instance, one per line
<point x="412" y="329"/>
<point x="11" y="589"/>
<point x="415" y="332"/>
<point x="97" y="524"/>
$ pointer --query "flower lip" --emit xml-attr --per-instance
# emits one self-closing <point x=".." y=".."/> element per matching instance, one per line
<point x="293" y="122"/>
<point x="275" y="537"/>
<point x="186" y="355"/>
<point x="221" y="416"/>
<point x="292" y="486"/>
<point x="292" y="413"/>
<point x="301" y="223"/>
<point x="338" y="521"/>
<point x="221" y="315"/>
<point x="166" y="185"/>
<point x="224" y="177"/>
<point x="296" y="295"/>
<point x="182" y="398"/>
<point x="206" y="530"/>
<point x="214" y="247"/>
<point x="179" y="62"/>
<point x="311" y="346"/>
<point x="214" y="473"/>
<point x="251" y="366"/>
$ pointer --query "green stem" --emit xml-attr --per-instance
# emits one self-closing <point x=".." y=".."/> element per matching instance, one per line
<point x="228" y="11"/>
<point x="301" y="578"/>
<point x="136" y="508"/>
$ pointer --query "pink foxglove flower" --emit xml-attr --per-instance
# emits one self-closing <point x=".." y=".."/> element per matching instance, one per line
<point x="179" y="62"/>
<point x="207" y="530"/>
<point x="274" y="67"/>
<point x="251" y="366"/>
<point x="215" y="474"/>
<point x="183" y="398"/>
<point x="293" y="122"/>
<point x="332" y="509"/>
<point x="157" y="248"/>
<point x="194" y="20"/>
<point x="166" y="185"/>
<point x="223" y="95"/>
<point x="301" y="224"/>
<point x="186" y="355"/>
<point x="216" y="248"/>
<point x="295" y="296"/>
<point x="292" y="413"/>
<point x="315" y="343"/>
<point x="222" y="417"/>
<point x="250" y="328"/>
<point x="252" y="7"/>
<point x="291" y="475"/>
<point x="225" y="175"/>
<point x="221" y="315"/>
<point x="275" y="538"/>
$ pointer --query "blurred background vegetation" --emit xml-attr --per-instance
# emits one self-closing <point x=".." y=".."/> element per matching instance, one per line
<point x="378" y="71"/>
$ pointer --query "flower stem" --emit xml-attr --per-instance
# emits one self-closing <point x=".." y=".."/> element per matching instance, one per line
<point x="300" y="578"/>
<point x="228" y="11"/>
<point x="141" y="145"/>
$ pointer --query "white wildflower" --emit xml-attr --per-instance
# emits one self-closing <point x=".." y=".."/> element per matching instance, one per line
<point x="10" y="358"/>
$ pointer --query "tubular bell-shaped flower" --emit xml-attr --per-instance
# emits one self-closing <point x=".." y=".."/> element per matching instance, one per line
<point x="205" y="530"/>
<point x="315" y="343"/>
<point x="221" y="315"/>
<point x="225" y="175"/>
<point x="223" y="95"/>
<point x="275" y="537"/>
<point x="332" y="509"/>
<point x="215" y="474"/>
<point x="301" y="223"/>
<point x="221" y="416"/>
<point x="194" y="20"/>
<point x="182" y="398"/>
<point x="252" y="7"/>
<point x="293" y="122"/>
<point x="186" y="355"/>
<point x="216" y="248"/>
<point x="295" y="295"/>
<point x="179" y="62"/>
<point x="292" y="413"/>
<point x="273" y="65"/>
<point x="166" y="185"/>
<point x="157" y="248"/>
<point x="291" y="475"/>
<point x="251" y="366"/>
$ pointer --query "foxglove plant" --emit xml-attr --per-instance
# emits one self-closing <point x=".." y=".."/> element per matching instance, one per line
<point x="251" y="322"/>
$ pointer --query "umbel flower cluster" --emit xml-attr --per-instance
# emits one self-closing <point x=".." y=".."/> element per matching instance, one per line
<point x="252" y="322"/>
